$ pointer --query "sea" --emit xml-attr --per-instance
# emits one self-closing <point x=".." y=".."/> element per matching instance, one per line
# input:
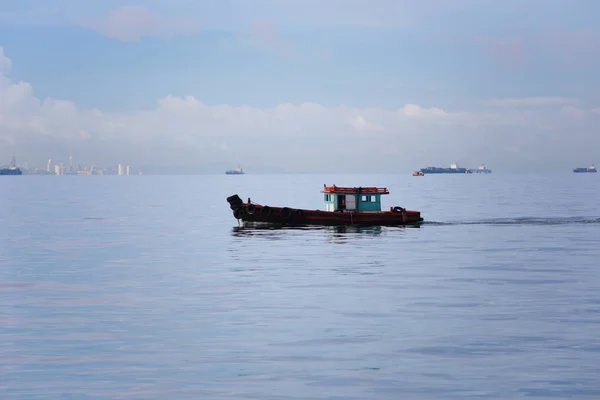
<point x="146" y="287"/>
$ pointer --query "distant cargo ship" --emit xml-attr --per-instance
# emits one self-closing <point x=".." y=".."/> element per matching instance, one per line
<point x="454" y="169"/>
<point x="11" y="171"/>
<point x="482" y="170"/>
<point x="235" y="171"/>
<point x="591" y="168"/>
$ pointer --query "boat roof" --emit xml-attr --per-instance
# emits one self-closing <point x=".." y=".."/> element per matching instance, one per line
<point x="356" y="190"/>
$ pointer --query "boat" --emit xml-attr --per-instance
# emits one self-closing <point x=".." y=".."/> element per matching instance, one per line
<point x="11" y="171"/>
<point x="591" y="168"/>
<point x="343" y="206"/>
<point x="418" y="173"/>
<point x="235" y="171"/>
<point x="454" y="169"/>
<point x="481" y="170"/>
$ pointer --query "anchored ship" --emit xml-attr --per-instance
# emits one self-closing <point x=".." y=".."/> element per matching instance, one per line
<point x="235" y="171"/>
<point x="11" y="171"/>
<point x="591" y="168"/>
<point x="454" y="169"/>
<point x="482" y="170"/>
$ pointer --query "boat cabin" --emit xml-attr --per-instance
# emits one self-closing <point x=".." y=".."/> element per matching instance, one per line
<point x="362" y="199"/>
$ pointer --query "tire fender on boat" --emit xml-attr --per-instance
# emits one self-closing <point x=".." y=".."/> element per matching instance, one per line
<point x="403" y="211"/>
<point x="265" y="210"/>
<point x="286" y="213"/>
<point x="251" y="208"/>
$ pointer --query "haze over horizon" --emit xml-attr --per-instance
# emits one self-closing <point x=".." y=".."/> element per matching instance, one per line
<point x="329" y="86"/>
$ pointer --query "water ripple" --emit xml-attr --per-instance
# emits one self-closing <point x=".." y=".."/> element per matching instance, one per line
<point x="114" y="290"/>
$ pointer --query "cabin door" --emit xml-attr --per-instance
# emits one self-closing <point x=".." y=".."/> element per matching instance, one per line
<point x="350" y="202"/>
<point x="341" y="205"/>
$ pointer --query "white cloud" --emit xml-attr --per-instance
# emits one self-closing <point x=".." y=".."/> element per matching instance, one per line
<point x="360" y="124"/>
<point x="572" y="112"/>
<point x="416" y="111"/>
<point x="299" y="136"/>
<point x="531" y="101"/>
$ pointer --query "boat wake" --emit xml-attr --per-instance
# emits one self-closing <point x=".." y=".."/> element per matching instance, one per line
<point x="520" y="221"/>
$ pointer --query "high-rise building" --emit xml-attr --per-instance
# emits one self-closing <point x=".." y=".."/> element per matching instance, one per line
<point x="120" y="170"/>
<point x="70" y="163"/>
<point x="127" y="170"/>
<point x="13" y="161"/>
<point x="57" y="170"/>
<point x="49" y="165"/>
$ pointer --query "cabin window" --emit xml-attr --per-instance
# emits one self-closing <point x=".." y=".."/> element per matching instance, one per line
<point x="373" y="199"/>
<point x="326" y="197"/>
<point x="364" y="198"/>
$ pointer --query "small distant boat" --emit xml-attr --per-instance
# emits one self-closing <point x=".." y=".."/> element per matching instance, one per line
<point x="343" y="206"/>
<point x="591" y="168"/>
<point x="235" y="171"/>
<point x="11" y="171"/>
<point x="418" y="173"/>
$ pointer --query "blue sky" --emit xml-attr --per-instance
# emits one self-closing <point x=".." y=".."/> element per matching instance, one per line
<point x="495" y="67"/>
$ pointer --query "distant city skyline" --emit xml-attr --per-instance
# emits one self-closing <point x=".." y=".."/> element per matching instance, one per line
<point x="68" y="168"/>
<point x="302" y="86"/>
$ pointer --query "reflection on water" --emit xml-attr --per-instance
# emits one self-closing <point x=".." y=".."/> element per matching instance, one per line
<point x="330" y="234"/>
<point x="274" y="231"/>
<point x="252" y="229"/>
<point x="320" y="234"/>
<point x="369" y="230"/>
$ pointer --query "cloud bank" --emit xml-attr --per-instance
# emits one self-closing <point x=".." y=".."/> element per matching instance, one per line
<point x="305" y="137"/>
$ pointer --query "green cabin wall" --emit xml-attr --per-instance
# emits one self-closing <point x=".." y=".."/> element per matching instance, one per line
<point x="364" y="202"/>
<point x="330" y="202"/>
<point x="372" y="202"/>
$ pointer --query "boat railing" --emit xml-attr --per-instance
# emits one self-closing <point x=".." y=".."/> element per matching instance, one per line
<point x="338" y="189"/>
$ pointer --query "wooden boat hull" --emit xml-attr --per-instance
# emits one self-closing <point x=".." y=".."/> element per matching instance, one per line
<point x="250" y="212"/>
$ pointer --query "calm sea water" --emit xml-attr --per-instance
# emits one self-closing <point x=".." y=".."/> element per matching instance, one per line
<point x="143" y="287"/>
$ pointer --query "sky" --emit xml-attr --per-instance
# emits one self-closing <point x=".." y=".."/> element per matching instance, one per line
<point x="301" y="86"/>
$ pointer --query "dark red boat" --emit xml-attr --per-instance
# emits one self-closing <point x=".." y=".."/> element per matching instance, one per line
<point x="343" y="206"/>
